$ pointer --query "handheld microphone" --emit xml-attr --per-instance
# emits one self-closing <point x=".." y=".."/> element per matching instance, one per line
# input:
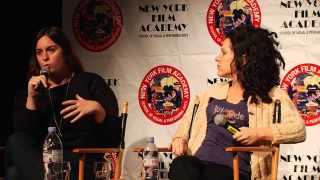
<point x="45" y="72"/>
<point x="220" y="120"/>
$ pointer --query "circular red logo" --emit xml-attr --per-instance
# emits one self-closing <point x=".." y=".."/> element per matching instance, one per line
<point x="303" y="86"/>
<point x="223" y="16"/>
<point x="164" y="95"/>
<point x="97" y="24"/>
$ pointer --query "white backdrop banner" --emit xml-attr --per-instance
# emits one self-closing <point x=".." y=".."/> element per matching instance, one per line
<point x="159" y="54"/>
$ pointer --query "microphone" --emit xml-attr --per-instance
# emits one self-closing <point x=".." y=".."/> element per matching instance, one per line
<point x="195" y="109"/>
<point x="45" y="72"/>
<point x="220" y="120"/>
<point x="277" y="112"/>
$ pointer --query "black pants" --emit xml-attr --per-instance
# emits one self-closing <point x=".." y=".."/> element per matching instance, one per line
<point x="191" y="168"/>
<point x="23" y="160"/>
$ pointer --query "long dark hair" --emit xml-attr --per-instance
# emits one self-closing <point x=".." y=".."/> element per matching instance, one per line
<point x="257" y="61"/>
<point x="59" y="37"/>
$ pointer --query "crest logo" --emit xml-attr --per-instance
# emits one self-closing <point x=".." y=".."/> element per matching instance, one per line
<point x="225" y="15"/>
<point x="97" y="24"/>
<point x="303" y="86"/>
<point x="164" y="95"/>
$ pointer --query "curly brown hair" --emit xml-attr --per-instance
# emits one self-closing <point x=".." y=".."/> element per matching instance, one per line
<point x="259" y="71"/>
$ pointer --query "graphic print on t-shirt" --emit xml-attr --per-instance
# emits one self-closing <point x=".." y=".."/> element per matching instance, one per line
<point x="231" y="111"/>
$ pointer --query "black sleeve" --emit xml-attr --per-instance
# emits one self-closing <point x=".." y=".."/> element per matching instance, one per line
<point x="109" y="131"/>
<point x="25" y="120"/>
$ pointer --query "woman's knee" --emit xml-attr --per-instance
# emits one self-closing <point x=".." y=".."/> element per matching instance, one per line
<point x="178" y="161"/>
<point x="17" y="140"/>
<point x="12" y="173"/>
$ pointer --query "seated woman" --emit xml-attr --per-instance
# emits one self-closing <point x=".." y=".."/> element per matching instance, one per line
<point x="250" y="60"/>
<point x="79" y="104"/>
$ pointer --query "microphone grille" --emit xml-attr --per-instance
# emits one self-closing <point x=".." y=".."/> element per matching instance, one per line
<point x="45" y="71"/>
<point x="220" y="120"/>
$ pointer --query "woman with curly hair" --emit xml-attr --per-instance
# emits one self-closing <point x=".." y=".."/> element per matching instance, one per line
<point x="250" y="59"/>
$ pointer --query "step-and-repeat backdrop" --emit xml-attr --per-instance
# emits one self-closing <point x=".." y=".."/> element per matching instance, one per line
<point x="158" y="54"/>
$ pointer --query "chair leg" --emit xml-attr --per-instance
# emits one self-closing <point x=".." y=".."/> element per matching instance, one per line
<point x="235" y="166"/>
<point x="81" y="166"/>
<point x="274" y="167"/>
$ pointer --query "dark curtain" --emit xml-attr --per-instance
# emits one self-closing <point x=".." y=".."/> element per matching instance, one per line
<point x="20" y="22"/>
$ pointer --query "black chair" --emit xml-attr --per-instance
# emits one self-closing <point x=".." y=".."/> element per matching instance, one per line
<point x="118" y="152"/>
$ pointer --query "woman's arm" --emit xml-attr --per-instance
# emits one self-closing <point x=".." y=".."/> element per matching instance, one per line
<point x="25" y="120"/>
<point x="290" y="130"/>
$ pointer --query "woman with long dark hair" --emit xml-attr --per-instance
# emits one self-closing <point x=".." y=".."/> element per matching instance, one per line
<point x="80" y="104"/>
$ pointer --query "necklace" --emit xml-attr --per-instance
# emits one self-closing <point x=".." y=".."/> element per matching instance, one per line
<point x="54" y="116"/>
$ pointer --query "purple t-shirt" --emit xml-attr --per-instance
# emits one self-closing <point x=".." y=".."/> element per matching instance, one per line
<point x="212" y="149"/>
